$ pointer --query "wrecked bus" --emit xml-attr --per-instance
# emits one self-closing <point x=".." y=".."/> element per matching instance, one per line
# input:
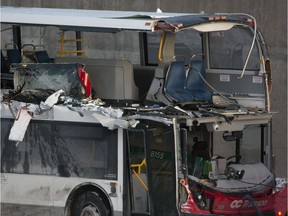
<point x="187" y="131"/>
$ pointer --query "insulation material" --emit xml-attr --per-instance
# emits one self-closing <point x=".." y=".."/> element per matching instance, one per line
<point x="53" y="99"/>
<point x="110" y="123"/>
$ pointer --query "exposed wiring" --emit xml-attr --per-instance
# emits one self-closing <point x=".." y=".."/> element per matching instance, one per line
<point x="255" y="184"/>
<point x="211" y="87"/>
<point x="220" y="94"/>
<point x="204" y="80"/>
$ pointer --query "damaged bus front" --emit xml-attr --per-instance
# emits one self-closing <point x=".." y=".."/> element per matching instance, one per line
<point x="184" y="131"/>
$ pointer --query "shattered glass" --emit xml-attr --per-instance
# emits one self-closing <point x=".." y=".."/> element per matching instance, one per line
<point x="38" y="81"/>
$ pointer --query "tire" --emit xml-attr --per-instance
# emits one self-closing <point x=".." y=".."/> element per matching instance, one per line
<point x="89" y="204"/>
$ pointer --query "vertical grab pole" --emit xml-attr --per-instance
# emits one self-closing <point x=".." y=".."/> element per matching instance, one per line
<point x="177" y="154"/>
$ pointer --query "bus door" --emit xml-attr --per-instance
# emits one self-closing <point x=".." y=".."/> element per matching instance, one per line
<point x="139" y="191"/>
<point x="153" y="171"/>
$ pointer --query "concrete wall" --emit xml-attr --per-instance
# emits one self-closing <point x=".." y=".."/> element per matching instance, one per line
<point x="271" y="17"/>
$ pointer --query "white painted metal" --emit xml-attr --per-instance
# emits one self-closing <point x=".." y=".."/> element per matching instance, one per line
<point x="30" y="190"/>
<point x="97" y="20"/>
<point x="82" y="18"/>
<point x="118" y="205"/>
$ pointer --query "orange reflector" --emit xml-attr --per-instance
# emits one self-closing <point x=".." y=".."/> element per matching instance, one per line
<point x="217" y="18"/>
<point x="279" y="213"/>
<point x="113" y="184"/>
<point x="147" y="23"/>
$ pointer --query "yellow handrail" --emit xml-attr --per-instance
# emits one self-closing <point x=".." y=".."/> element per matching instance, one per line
<point x="139" y="166"/>
<point x="63" y="52"/>
<point x="140" y="180"/>
<point x="160" y="51"/>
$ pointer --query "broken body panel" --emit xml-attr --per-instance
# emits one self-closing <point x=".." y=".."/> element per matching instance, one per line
<point x="133" y="153"/>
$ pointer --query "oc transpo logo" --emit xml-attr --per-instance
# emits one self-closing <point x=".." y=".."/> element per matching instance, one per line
<point x="236" y="204"/>
<point x="247" y="203"/>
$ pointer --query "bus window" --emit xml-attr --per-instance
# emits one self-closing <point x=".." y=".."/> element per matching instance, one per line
<point x="249" y="146"/>
<point x="187" y="44"/>
<point x="120" y="45"/>
<point x="153" y="40"/>
<point x="61" y="149"/>
<point x="229" y="50"/>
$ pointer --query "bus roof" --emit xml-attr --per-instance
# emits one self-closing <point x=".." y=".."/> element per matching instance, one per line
<point x="114" y="21"/>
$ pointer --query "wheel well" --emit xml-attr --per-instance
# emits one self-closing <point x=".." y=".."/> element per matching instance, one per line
<point x="80" y="189"/>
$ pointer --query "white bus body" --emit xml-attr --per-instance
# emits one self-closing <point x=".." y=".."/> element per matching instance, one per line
<point x="184" y="131"/>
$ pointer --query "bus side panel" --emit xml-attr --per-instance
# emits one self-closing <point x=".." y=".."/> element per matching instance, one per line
<point x="21" y="188"/>
<point x="55" y="157"/>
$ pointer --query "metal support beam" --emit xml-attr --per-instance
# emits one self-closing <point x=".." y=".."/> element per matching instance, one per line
<point x="78" y="42"/>
<point x="16" y="31"/>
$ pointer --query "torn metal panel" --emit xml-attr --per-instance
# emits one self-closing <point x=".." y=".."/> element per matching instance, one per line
<point x="111" y="123"/>
<point x="178" y="23"/>
<point x="53" y="99"/>
<point x="20" y="125"/>
<point x="23" y="117"/>
<point x="111" y="118"/>
<point x="10" y="110"/>
<point x="166" y="121"/>
<point x="88" y="20"/>
<point x="110" y="21"/>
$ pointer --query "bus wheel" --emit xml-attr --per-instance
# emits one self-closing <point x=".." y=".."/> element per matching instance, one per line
<point x="89" y="204"/>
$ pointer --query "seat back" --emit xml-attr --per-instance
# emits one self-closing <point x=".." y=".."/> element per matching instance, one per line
<point x="195" y="84"/>
<point x="13" y="56"/>
<point x="175" y="80"/>
<point x="42" y="56"/>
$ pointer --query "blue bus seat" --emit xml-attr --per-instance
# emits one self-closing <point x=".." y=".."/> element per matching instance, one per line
<point x="174" y="86"/>
<point x="195" y="84"/>
<point x="13" y="56"/>
<point x="42" y="56"/>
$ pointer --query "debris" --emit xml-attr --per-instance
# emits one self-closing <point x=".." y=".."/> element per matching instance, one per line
<point x="20" y="125"/>
<point x="53" y="99"/>
<point x="110" y="123"/>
